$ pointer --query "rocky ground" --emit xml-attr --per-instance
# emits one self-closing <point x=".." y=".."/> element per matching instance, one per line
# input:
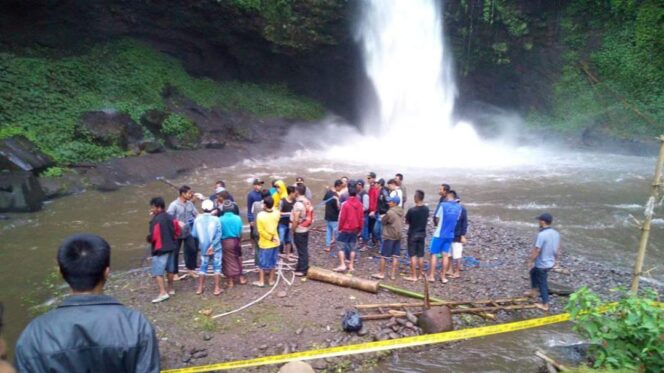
<point x="307" y="315"/>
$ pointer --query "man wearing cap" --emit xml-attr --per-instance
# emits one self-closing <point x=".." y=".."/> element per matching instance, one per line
<point x="254" y="196"/>
<point x="542" y="258"/>
<point x="351" y="220"/>
<point x="207" y="229"/>
<point x="300" y="181"/>
<point x="392" y="232"/>
<point x="374" y="191"/>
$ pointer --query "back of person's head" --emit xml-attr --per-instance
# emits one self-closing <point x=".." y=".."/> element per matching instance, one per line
<point x="184" y="189"/>
<point x="83" y="260"/>
<point x="220" y="183"/>
<point x="392" y="181"/>
<point x="338" y="183"/>
<point x="301" y="189"/>
<point x="419" y="195"/>
<point x="451" y="195"/>
<point x="352" y="188"/>
<point x="399" y="176"/>
<point x="265" y="193"/>
<point x="381" y="182"/>
<point x="158" y="202"/>
<point x="268" y="202"/>
<point x="290" y="189"/>
<point x="224" y="195"/>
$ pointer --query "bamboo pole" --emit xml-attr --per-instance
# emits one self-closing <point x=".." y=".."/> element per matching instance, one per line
<point x="445" y="303"/>
<point x="645" y="227"/>
<point x="392" y="313"/>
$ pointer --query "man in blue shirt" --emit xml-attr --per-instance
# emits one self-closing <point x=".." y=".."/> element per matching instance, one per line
<point x="255" y="195"/>
<point x="207" y="229"/>
<point x="542" y="258"/>
<point x="447" y="214"/>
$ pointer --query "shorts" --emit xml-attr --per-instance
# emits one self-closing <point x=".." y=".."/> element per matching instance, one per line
<point x="440" y="245"/>
<point x="348" y="242"/>
<point x="267" y="258"/>
<point x="216" y="263"/>
<point x="457" y="250"/>
<point x="390" y="248"/>
<point x="284" y="233"/>
<point x="416" y="246"/>
<point x="162" y="264"/>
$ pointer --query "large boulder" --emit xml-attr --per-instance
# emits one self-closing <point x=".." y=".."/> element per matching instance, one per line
<point x="110" y="128"/>
<point x="436" y="320"/>
<point x="296" y="367"/>
<point x="20" y="192"/>
<point x="19" y="154"/>
<point x="153" y="120"/>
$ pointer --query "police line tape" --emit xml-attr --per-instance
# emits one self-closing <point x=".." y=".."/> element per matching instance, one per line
<point x="391" y="344"/>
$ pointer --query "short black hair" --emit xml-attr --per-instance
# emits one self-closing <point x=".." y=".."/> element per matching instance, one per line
<point x="446" y="187"/>
<point x="419" y="195"/>
<point x="158" y="202"/>
<point x="400" y="176"/>
<point x="338" y="182"/>
<point x="83" y="259"/>
<point x="184" y="189"/>
<point x="268" y="201"/>
<point x="220" y="182"/>
<point x="453" y="193"/>
<point x="224" y="194"/>
<point x="301" y="189"/>
<point x="265" y="193"/>
<point x="290" y="189"/>
<point x="381" y="182"/>
<point x="392" y="181"/>
<point x="352" y="191"/>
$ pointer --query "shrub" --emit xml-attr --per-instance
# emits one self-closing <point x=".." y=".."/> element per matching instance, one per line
<point x="52" y="172"/>
<point x="628" y="336"/>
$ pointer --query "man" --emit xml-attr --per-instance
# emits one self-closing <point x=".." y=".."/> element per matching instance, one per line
<point x="185" y="212"/>
<point x="163" y="238"/>
<point x="343" y="193"/>
<point x="351" y="219"/>
<point x="382" y="207"/>
<point x="255" y="195"/>
<point x="459" y="238"/>
<point x="542" y="258"/>
<point x="224" y="198"/>
<point x="374" y="192"/>
<point x="392" y="228"/>
<point x="417" y="218"/>
<point x="89" y="331"/>
<point x="207" y="230"/>
<point x="301" y="220"/>
<point x="285" y="209"/>
<point x="395" y="191"/>
<point x="443" y="189"/>
<point x="220" y="186"/>
<point x="5" y="367"/>
<point x="363" y="196"/>
<point x="441" y="242"/>
<point x="399" y="178"/>
<point x="268" y="241"/>
<point x="300" y="181"/>
<point x="231" y="233"/>
<point x="331" y="200"/>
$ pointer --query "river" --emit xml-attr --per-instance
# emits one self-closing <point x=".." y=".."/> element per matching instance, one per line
<point x="590" y="195"/>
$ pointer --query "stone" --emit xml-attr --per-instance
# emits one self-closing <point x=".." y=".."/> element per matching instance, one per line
<point x="153" y="120"/>
<point x="150" y="146"/>
<point x="297" y="367"/>
<point x="362" y="332"/>
<point x="199" y="354"/>
<point x="299" y="331"/>
<point x="410" y="317"/>
<point x="206" y="337"/>
<point x="17" y="153"/>
<point x="436" y="320"/>
<point x="393" y="335"/>
<point x="20" y="191"/>
<point x="262" y="347"/>
<point x="108" y="128"/>
<point x="213" y="140"/>
<point x="281" y="294"/>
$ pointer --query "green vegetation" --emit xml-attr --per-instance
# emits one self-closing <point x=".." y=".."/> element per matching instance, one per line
<point x="627" y="336"/>
<point x="53" y="172"/>
<point x="43" y="97"/>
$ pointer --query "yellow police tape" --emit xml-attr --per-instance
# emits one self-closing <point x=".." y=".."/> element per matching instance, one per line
<point x="380" y="345"/>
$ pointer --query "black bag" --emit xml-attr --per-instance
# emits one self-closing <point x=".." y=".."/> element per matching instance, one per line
<point x="352" y="322"/>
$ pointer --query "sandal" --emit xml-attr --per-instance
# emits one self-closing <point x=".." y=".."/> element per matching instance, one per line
<point x="218" y="293"/>
<point x="378" y="276"/>
<point x="444" y="280"/>
<point x="160" y="298"/>
<point x="258" y="284"/>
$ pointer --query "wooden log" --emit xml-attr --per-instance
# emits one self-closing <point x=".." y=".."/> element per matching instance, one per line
<point x="331" y="277"/>
<point x="549" y="360"/>
<point x="393" y="313"/>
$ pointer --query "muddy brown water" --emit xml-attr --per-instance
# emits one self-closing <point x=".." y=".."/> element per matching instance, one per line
<point x="591" y="198"/>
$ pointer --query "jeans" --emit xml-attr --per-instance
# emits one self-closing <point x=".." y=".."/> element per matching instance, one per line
<point x="365" y="228"/>
<point x="372" y="228"/>
<point x="190" y="250"/>
<point x="301" y="241"/>
<point x="284" y="236"/>
<point x="378" y="230"/>
<point x="331" y="231"/>
<point x="538" y="280"/>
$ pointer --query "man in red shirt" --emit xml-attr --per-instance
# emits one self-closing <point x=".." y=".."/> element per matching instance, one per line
<point x="351" y="220"/>
<point x="374" y="191"/>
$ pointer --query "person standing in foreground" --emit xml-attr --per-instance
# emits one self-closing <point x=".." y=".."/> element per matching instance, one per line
<point x="253" y="196"/>
<point x="301" y="220"/>
<point x="207" y="229"/>
<point x="395" y="190"/>
<point x="268" y="241"/>
<point x="542" y="258"/>
<point x="392" y="228"/>
<point x="5" y="367"/>
<point x="300" y="181"/>
<point x="460" y="232"/>
<point x="185" y="212"/>
<point x="285" y="208"/>
<point x="374" y="191"/>
<point x="231" y="233"/>
<point x="351" y="218"/>
<point x="443" y="189"/>
<point x="417" y="218"/>
<point x="447" y="216"/>
<point x="89" y="331"/>
<point x="163" y="238"/>
<point x="331" y="200"/>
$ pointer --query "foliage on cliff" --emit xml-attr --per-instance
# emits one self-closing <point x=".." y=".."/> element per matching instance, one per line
<point x="44" y="97"/>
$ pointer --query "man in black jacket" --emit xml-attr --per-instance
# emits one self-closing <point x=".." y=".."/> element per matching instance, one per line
<point x="89" y="331"/>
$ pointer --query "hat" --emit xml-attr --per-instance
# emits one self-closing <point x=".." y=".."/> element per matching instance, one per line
<point x="372" y="175"/>
<point x="258" y="182"/>
<point x="228" y="206"/>
<point x="394" y="199"/>
<point x="207" y="205"/>
<point x="545" y="217"/>
<point x="219" y="190"/>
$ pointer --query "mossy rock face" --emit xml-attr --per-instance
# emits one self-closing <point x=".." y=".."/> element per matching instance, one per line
<point x="108" y="128"/>
<point x="153" y="120"/>
<point x="20" y="154"/>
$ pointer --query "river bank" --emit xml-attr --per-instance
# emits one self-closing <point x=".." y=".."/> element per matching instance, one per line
<point x="308" y="314"/>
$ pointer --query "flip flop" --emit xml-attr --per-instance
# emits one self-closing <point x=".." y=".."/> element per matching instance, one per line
<point x="377" y="276"/>
<point x="411" y="279"/>
<point x="216" y="294"/>
<point x="160" y="298"/>
<point x="258" y="284"/>
<point x="444" y="280"/>
<point x="340" y="269"/>
<point x="199" y="292"/>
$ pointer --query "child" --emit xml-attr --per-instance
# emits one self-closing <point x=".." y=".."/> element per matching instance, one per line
<point x="392" y="228"/>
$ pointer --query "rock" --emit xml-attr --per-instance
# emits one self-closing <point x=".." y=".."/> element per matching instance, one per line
<point x="199" y="354"/>
<point x="436" y="320"/>
<point x="61" y="186"/>
<point x="297" y="367"/>
<point x="206" y="337"/>
<point x="410" y="317"/>
<point x="319" y="364"/>
<point x="20" y="192"/>
<point x="362" y="332"/>
<point x="262" y="347"/>
<point x="153" y="120"/>
<point x="186" y="358"/>
<point x="393" y="335"/>
<point x="282" y="294"/>
<point x="149" y="146"/>
<point x="213" y="140"/>
<point x="109" y="128"/>
<point x="299" y="331"/>
<point x="17" y="153"/>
